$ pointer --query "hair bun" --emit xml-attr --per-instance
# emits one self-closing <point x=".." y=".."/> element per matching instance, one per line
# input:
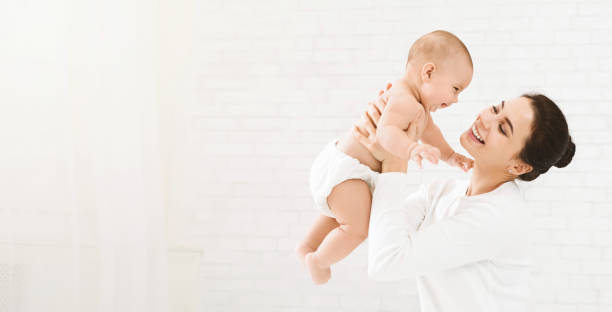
<point x="569" y="154"/>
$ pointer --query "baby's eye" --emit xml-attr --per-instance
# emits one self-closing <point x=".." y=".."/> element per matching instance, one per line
<point x="456" y="89"/>
<point x="494" y="109"/>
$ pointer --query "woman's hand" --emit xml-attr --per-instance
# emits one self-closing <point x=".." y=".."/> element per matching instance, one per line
<point x="365" y="129"/>
<point x="365" y="132"/>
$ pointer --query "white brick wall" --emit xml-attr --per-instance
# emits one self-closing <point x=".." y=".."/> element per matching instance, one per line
<point x="268" y="83"/>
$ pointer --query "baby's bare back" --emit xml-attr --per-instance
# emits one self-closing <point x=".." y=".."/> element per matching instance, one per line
<point x="351" y="146"/>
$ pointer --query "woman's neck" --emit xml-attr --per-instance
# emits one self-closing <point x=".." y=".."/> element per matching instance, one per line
<point x="485" y="180"/>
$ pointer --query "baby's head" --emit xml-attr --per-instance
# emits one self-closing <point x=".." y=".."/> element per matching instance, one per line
<point x="441" y="66"/>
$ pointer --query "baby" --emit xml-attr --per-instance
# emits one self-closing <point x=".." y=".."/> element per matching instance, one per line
<point x="343" y="175"/>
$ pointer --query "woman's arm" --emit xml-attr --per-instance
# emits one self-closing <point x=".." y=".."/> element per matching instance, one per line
<point x="397" y="212"/>
<point x="400" y="247"/>
<point x="398" y="165"/>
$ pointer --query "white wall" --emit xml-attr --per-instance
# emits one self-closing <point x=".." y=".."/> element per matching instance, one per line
<point x="248" y="92"/>
<point x="277" y="79"/>
<point x="82" y="222"/>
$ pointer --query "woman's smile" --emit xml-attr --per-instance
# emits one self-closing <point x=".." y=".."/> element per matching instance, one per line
<point x="475" y="135"/>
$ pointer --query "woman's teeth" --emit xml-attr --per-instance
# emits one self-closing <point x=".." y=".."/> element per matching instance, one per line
<point x="476" y="134"/>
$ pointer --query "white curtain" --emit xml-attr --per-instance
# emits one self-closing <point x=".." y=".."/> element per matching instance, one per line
<point x="82" y="213"/>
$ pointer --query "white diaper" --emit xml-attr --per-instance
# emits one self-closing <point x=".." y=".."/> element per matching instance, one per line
<point x="332" y="167"/>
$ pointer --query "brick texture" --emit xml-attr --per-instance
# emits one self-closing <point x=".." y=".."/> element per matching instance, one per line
<point x="273" y="81"/>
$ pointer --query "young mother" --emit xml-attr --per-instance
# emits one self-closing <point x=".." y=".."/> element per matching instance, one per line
<point x="466" y="241"/>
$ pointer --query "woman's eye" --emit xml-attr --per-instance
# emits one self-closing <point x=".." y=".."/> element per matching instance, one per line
<point x="501" y="129"/>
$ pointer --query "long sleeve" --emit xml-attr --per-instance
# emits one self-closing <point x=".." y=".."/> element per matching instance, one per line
<point x="399" y="247"/>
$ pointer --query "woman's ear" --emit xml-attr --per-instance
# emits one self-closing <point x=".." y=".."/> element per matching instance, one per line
<point x="427" y="70"/>
<point x="518" y="168"/>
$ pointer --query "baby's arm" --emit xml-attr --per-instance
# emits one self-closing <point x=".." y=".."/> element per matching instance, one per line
<point x="433" y="136"/>
<point x="399" y="112"/>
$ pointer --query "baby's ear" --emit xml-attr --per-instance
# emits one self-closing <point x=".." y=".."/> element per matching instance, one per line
<point x="427" y="70"/>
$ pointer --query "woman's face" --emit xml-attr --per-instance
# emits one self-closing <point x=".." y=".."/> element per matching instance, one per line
<point x="499" y="133"/>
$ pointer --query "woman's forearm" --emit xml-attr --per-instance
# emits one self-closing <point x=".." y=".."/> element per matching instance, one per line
<point x="394" y="165"/>
<point x="397" y="212"/>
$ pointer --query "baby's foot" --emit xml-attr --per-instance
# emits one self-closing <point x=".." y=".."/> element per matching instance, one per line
<point x="301" y="251"/>
<point x="319" y="275"/>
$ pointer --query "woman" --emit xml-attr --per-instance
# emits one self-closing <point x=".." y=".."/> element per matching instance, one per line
<point x="466" y="241"/>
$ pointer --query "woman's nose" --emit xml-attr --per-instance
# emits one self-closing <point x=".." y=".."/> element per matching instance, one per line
<point x="485" y="119"/>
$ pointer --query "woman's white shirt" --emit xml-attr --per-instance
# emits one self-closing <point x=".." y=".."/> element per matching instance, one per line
<point x="467" y="253"/>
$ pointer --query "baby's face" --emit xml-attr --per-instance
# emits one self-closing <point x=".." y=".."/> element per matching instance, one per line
<point x="443" y="89"/>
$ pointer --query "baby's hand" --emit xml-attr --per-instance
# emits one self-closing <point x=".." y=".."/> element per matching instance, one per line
<point x="458" y="160"/>
<point x="420" y="151"/>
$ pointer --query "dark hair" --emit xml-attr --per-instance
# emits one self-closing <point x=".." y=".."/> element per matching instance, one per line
<point x="549" y="143"/>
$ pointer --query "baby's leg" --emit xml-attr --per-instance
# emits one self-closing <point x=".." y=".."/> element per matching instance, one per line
<point x="321" y="227"/>
<point x="350" y="201"/>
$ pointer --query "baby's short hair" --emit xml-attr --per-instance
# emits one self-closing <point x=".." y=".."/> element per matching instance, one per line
<point x="437" y="46"/>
